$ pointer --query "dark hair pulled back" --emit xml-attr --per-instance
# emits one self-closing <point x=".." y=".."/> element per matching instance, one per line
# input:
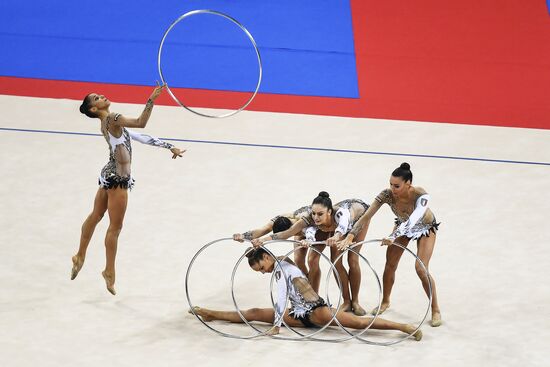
<point x="254" y="255"/>
<point x="403" y="171"/>
<point x="86" y="105"/>
<point x="324" y="199"/>
<point x="281" y="224"/>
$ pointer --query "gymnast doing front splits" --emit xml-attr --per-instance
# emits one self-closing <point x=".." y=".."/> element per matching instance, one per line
<point x="322" y="225"/>
<point x="115" y="178"/>
<point x="307" y="308"/>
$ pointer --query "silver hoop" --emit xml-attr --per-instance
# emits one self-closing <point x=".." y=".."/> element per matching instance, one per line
<point x="310" y="336"/>
<point x="378" y="311"/>
<point x="228" y="335"/>
<point x="248" y="34"/>
<point x="352" y="335"/>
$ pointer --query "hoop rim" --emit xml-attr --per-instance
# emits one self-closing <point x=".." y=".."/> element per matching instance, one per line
<point x="248" y="34"/>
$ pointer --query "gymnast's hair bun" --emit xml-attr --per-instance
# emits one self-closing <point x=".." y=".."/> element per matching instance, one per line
<point x="405" y="166"/>
<point x="250" y="252"/>
<point x="323" y="199"/>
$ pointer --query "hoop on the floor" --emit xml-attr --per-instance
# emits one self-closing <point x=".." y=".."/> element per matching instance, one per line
<point x="248" y="34"/>
<point x="363" y="339"/>
<point x="228" y="335"/>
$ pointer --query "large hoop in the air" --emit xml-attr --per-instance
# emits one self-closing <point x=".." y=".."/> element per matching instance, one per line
<point x="242" y="27"/>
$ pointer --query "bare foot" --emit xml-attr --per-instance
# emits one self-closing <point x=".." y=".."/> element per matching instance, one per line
<point x="417" y="335"/>
<point x="202" y="312"/>
<point x="77" y="265"/>
<point x="436" y="319"/>
<point x="109" y="282"/>
<point x="358" y="310"/>
<point x="383" y="307"/>
<point x="345" y="307"/>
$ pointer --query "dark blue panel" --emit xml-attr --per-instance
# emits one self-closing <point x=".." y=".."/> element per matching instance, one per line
<point x="307" y="46"/>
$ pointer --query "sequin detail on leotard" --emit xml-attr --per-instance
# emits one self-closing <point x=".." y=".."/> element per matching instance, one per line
<point x="109" y="178"/>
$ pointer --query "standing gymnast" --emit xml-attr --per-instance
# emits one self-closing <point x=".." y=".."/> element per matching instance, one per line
<point x="415" y="221"/>
<point x="307" y="309"/>
<point x="337" y="220"/>
<point x="115" y="178"/>
<point x="346" y="214"/>
<point x="279" y="224"/>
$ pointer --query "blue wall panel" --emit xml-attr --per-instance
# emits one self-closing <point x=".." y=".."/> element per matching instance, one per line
<point x="307" y="46"/>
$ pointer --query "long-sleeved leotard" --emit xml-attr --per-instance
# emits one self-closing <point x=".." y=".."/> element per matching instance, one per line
<point x="303" y="299"/>
<point x="117" y="173"/>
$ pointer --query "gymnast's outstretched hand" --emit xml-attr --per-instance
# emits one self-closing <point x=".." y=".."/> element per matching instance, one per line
<point x="305" y="243"/>
<point x="332" y="241"/>
<point x="238" y="237"/>
<point x="257" y="242"/>
<point x="387" y="241"/>
<point x="177" y="152"/>
<point x="157" y="91"/>
<point x="345" y="243"/>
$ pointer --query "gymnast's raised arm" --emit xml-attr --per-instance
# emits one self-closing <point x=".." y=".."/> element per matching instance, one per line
<point x="141" y="121"/>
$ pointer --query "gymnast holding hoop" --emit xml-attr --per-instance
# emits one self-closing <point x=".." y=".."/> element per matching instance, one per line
<point x="115" y="178"/>
<point x="415" y="221"/>
<point x="279" y="224"/>
<point x="333" y="224"/>
<point x="322" y="225"/>
<point x="307" y="309"/>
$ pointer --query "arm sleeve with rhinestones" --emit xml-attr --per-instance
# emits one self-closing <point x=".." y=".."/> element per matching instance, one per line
<point x="149" y="140"/>
<point x="282" y="289"/>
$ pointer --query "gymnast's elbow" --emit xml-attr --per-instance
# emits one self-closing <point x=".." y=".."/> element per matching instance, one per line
<point x="141" y="122"/>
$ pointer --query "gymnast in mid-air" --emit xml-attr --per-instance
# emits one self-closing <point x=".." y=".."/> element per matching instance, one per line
<point x="115" y="179"/>
<point x="307" y="308"/>
<point x="415" y="221"/>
